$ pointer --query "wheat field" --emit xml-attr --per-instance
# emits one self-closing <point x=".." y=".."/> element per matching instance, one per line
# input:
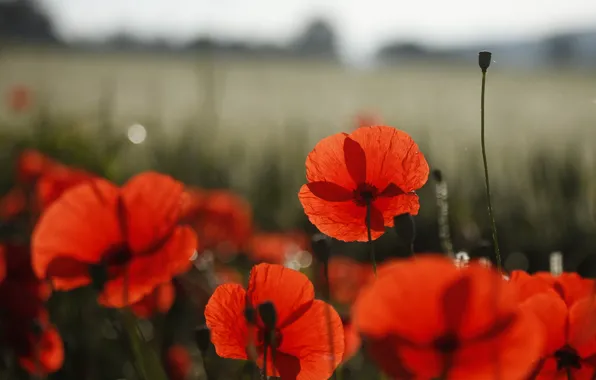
<point x="256" y="104"/>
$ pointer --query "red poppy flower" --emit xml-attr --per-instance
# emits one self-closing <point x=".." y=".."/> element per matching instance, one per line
<point x="27" y="330"/>
<point x="276" y="248"/>
<point x="227" y="275"/>
<point x="221" y="219"/>
<point x="41" y="353"/>
<point x="159" y="301"/>
<point x="129" y="235"/>
<point x="377" y="165"/>
<point x="426" y="318"/>
<point x="352" y="340"/>
<point x="19" y="98"/>
<point x="367" y="119"/>
<point x="31" y="164"/>
<point x="303" y="349"/>
<point x="565" y="306"/>
<point x="347" y="277"/>
<point x="178" y="362"/>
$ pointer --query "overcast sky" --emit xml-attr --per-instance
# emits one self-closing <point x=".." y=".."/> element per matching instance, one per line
<point x="362" y="25"/>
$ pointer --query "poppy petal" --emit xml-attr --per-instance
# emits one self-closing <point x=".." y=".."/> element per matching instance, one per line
<point x="552" y="312"/>
<point x="384" y="352"/>
<point x="70" y="228"/>
<point x="308" y="339"/>
<point x="391" y="157"/>
<point x="340" y="220"/>
<point x="327" y="162"/>
<point x="153" y="204"/>
<point x="352" y="342"/>
<point x="355" y="160"/>
<point x="330" y="192"/>
<point x="582" y="327"/>
<point x="290" y="291"/>
<point x="518" y="349"/>
<point x="527" y="285"/>
<point x="422" y="282"/>
<point x="158" y="301"/>
<point x="224" y="315"/>
<point x="571" y="286"/>
<point x="146" y="272"/>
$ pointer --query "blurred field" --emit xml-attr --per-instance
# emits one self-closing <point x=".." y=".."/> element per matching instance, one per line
<point x="256" y="120"/>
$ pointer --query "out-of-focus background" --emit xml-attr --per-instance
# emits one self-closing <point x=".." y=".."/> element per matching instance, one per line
<point x="234" y="94"/>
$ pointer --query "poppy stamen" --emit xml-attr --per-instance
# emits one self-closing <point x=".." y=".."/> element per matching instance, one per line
<point x="567" y="358"/>
<point x="365" y="194"/>
<point x="447" y="343"/>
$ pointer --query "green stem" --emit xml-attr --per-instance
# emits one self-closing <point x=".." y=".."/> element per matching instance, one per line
<point x="486" y="177"/>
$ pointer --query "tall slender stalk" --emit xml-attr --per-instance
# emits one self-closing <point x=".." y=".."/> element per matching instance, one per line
<point x="484" y="58"/>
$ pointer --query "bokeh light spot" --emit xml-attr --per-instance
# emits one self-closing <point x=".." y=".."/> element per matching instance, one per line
<point x="137" y="133"/>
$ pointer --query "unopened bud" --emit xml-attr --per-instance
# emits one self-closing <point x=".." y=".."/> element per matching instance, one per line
<point x="484" y="58"/>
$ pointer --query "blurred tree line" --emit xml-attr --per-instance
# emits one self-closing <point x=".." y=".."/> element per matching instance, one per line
<point x="26" y="20"/>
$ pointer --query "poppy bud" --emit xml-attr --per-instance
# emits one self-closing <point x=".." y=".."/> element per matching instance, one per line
<point x="249" y="314"/>
<point x="321" y="247"/>
<point x="438" y="175"/>
<point x="203" y="339"/>
<point x="268" y="314"/>
<point x="405" y="229"/>
<point x="484" y="58"/>
<point x="99" y="276"/>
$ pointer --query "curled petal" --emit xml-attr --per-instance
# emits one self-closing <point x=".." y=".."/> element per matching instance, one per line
<point x="224" y="315"/>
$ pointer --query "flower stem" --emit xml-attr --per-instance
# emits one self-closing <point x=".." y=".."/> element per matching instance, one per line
<point x="371" y="246"/>
<point x="484" y="66"/>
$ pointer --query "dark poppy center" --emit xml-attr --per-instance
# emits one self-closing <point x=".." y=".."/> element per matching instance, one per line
<point x="273" y="338"/>
<point x="447" y="343"/>
<point x="365" y="193"/>
<point x="567" y="357"/>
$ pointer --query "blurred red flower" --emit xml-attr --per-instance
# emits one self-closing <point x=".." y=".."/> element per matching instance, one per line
<point x="425" y="318"/>
<point x="31" y="164"/>
<point x="128" y="235"/>
<point x="566" y="307"/>
<point x="346" y="277"/>
<point x="227" y="275"/>
<point x="48" y="179"/>
<point x="378" y="165"/>
<point x="221" y="219"/>
<point x="27" y="330"/>
<point x="178" y="362"/>
<point x="302" y="351"/>
<point x="277" y="247"/>
<point x="159" y="301"/>
<point x="19" y="98"/>
<point x="352" y="341"/>
<point x="367" y="119"/>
